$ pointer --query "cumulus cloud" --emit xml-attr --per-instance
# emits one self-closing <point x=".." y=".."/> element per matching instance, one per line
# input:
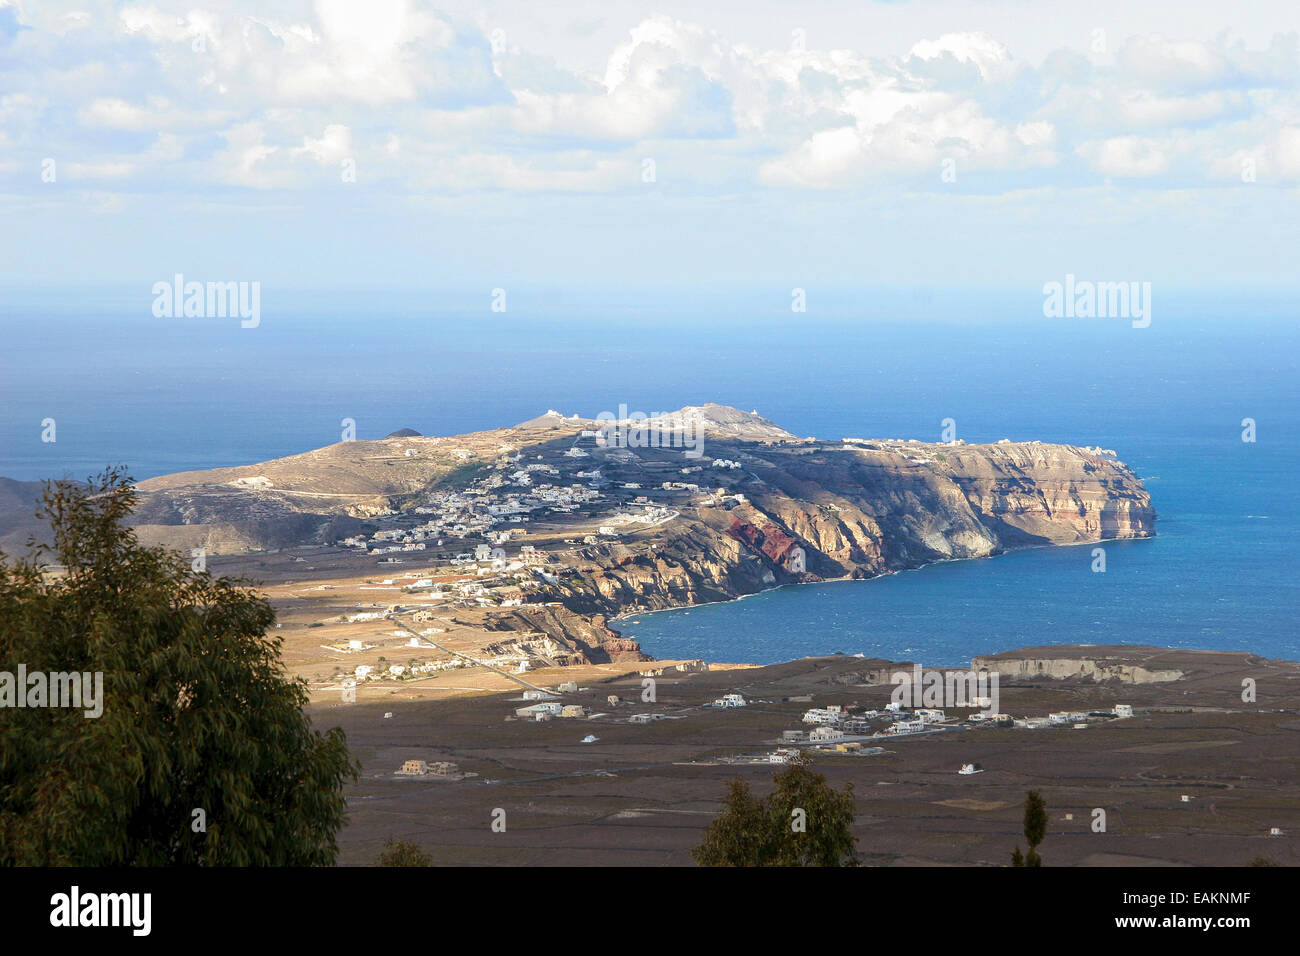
<point x="1163" y="64"/>
<point x="989" y="60"/>
<point x="276" y="94"/>
<point x="1128" y="156"/>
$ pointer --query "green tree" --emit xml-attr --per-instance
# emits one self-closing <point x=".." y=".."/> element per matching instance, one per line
<point x="203" y="754"/>
<point x="804" y="822"/>
<point x="1035" y="827"/>
<point x="400" y="853"/>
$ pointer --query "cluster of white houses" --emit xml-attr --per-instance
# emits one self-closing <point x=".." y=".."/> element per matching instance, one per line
<point x="834" y="722"/>
<point x="515" y="492"/>
<point x="727" y="701"/>
<point x="547" y="709"/>
<point x="496" y="508"/>
<point x="1072" y="718"/>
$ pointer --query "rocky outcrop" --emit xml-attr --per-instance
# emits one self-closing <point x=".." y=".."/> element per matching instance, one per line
<point x="1134" y="666"/>
<point x="586" y="638"/>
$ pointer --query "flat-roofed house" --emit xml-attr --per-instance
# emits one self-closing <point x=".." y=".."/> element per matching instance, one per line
<point x="825" y="734"/>
<point x="548" y="708"/>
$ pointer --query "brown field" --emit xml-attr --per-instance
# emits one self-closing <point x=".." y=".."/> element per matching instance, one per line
<point x="641" y="795"/>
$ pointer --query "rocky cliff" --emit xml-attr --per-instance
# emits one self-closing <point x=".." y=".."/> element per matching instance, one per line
<point x="815" y="512"/>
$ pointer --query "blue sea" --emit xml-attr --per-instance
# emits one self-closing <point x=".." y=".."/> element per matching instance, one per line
<point x="163" y="395"/>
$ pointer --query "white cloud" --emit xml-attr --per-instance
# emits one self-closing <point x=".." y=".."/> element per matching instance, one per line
<point x="333" y="146"/>
<point x="378" y="53"/>
<point x="275" y="94"/>
<point x="985" y="54"/>
<point x="1128" y="156"/>
<point x="1174" y="65"/>
<point x="1146" y="109"/>
<point x="158" y="114"/>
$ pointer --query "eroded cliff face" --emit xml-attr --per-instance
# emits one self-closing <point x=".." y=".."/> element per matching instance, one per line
<point x="966" y="500"/>
<point x="863" y="512"/>
<point x="1058" y="494"/>
<point x="1136" y="665"/>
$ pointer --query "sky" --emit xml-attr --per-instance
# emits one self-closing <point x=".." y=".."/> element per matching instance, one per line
<point x="392" y="144"/>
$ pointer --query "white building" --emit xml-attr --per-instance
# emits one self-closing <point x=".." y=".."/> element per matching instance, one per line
<point x="1033" y="723"/>
<point x="729" y="700"/>
<point x="1123" y="710"/>
<point x="545" y="708"/>
<point x="907" y="726"/>
<point x="825" y="734"/>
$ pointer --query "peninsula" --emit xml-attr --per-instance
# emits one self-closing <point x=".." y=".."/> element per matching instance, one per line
<point x="515" y="547"/>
